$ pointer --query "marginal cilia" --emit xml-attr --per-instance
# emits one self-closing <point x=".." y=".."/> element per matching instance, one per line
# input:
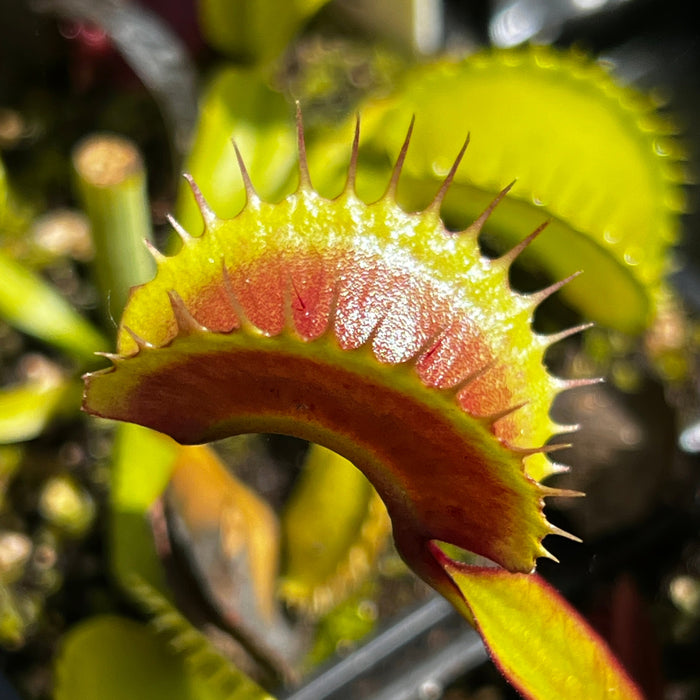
<point x="375" y="332"/>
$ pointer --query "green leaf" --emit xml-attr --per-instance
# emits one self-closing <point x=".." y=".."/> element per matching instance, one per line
<point x="218" y="677"/>
<point x="113" y="658"/>
<point x="143" y="463"/>
<point x="539" y="642"/>
<point x="30" y="304"/>
<point x="329" y="555"/>
<point x="27" y="409"/>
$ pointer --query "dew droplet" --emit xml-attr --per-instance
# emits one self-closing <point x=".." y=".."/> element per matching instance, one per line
<point x="611" y="237"/>
<point x="441" y="168"/>
<point x="633" y="255"/>
<point x="660" y="146"/>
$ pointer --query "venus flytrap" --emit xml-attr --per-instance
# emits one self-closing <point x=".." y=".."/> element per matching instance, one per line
<point x="394" y="342"/>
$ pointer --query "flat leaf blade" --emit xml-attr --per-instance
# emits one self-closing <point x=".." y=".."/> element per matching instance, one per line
<point x="27" y="409"/>
<point x="30" y="304"/>
<point x="330" y="554"/>
<point x="114" y="658"/>
<point x="539" y="642"/>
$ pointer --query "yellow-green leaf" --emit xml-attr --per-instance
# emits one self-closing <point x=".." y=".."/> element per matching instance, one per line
<point x="114" y="658"/>
<point x="376" y="333"/>
<point x="143" y="463"/>
<point x="333" y="526"/>
<point x="30" y="304"/>
<point x="539" y="642"/>
<point x="26" y="410"/>
<point x="211" y="672"/>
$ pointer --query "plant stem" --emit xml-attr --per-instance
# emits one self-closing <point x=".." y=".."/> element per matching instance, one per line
<point x="111" y="183"/>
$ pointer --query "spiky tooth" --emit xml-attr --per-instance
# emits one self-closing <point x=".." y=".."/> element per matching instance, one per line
<point x="474" y="229"/>
<point x="538" y="297"/>
<point x="304" y="177"/>
<point x="430" y="344"/>
<point x="187" y="324"/>
<point x="372" y="335"/>
<point x="552" y="492"/>
<point x="179" y="229"/>
<point x="351" y="179"/>
<point x="390" y="193"/>
<point x="114" y="358"/>
<point x="184" y="640"/>
<point x="250" y="193"/>
<point x="435" y="205"/>
<point x="544" y="449"/>
<point x="553" y="338"/>
<point x="554" y="530"/>
<point x="155" y="253"/>
<point x="165" y="621"/>
<point x="507" y="259"/>
<point x="546" y="554"/>
<point x="290" y="294"/>
<point x="566" y="384"/>
<point x="140" y="342"/>
<point x="206" y="211"/>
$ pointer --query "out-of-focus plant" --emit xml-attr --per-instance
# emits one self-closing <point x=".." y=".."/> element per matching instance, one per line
<point x="357" y="326"/>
